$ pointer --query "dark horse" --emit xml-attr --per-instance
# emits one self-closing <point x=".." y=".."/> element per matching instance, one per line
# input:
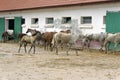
<point x="29" y="39"/>
<point x="7" y="36"/>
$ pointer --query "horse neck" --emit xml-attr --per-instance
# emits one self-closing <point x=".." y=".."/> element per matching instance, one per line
<point x="33" y="32"/>
<point x="36" y="35"/>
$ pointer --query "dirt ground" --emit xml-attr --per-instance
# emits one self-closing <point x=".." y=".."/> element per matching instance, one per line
<point x="46" y="65"/>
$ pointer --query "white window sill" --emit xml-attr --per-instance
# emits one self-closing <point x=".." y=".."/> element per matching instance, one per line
<point x="65" y="26"/>
<point x="49" y="26"/>
<point x="104" y="26"/>
<point x="34" y="25"/>
<point x="86" y="26"/>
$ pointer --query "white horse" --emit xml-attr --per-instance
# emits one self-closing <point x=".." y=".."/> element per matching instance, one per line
<point x="65" y="38"/>
<point x="99" y="37"/>
<point x="112" y="38"/>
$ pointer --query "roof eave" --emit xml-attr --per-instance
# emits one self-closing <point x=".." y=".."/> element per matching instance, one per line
<point x="64" y="5"/>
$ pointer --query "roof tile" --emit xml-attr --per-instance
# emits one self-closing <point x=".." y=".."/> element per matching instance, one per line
<point x="6" y="5"/>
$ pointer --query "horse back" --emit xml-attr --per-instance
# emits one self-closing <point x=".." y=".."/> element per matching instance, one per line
<point x="48" y="35"/>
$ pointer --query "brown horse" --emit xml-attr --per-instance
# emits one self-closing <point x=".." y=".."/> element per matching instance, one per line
<point x="6" y="36"/>
<point x="47" y="38"/>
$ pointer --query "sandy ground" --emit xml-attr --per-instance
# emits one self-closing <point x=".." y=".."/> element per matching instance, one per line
<point x="46" y="65"/>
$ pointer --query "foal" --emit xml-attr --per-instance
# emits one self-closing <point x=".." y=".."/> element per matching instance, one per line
<point x="29" y="39"/>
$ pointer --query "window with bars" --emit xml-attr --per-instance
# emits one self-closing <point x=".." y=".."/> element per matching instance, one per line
<point x="49" y="20"/>
<point x="86" y="20"/>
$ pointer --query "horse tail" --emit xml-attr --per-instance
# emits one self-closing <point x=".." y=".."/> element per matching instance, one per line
<point x="53" y="40"/>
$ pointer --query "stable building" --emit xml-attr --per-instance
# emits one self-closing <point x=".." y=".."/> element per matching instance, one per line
<point x="55" y="15"/>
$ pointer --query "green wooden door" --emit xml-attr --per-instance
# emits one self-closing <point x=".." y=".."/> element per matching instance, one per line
<point x="113" y="22"/>
<point x="113" y="25"/>
<point x="17" y="27"/>
<point x="2" y="27"/>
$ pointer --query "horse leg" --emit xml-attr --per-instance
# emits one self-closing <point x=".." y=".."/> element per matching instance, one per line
<point x="89" y="46"/>
<point x="101" y="46"/>
<point x="56" y="50"/>
<point x="84" y="42"/>
<point x="49" y="44"/>
<point x="45" y="45"/>
<point x="83" y="45"/>
<point x="61" y="46"/>
<point x="76" y="50"/>
<point x="34" y="49"/>
<point x="69" y="47"/>
<point x="32" y="45"/>
<point x="30" y="48"/>
<point x="19" y="47"/>
<point x="25" y="44"/>
<point x="107" y="47"/>
<point x="4" y="39"/>
<point x="68" y="50"/>
<point x="114" y="50"/>
<point x="50" y="47"/>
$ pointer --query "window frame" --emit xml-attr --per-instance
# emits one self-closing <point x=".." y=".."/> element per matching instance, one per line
<point x="83" y="21"/>
<point x="66" y="20"/>
<point x="47" y="20"/>
<point x="34" y="20"/>
<point x="23" y="21"/>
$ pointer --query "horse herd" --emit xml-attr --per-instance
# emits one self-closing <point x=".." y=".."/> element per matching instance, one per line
<point x="54" y="40"/>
